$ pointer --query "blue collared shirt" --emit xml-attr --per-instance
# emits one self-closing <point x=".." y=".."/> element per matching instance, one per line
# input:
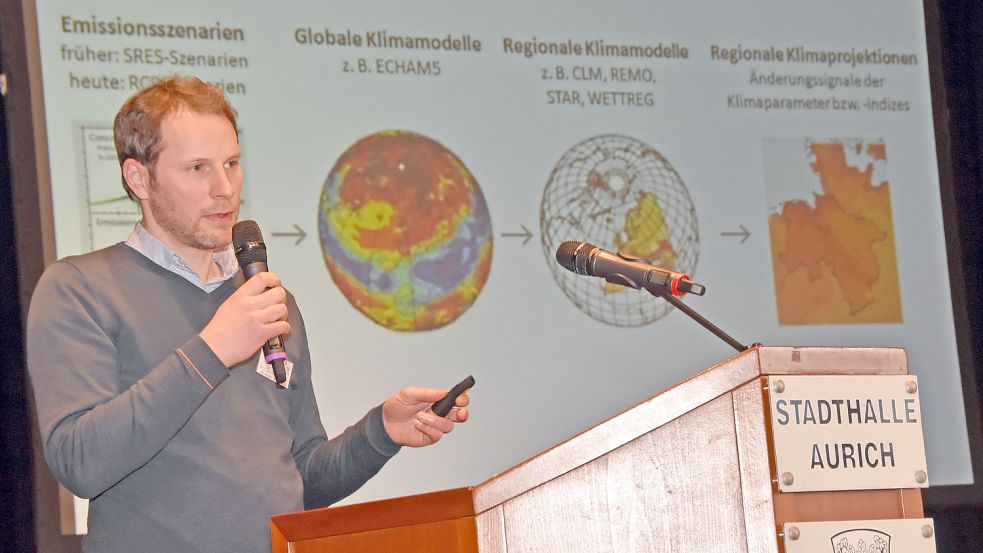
<point x="155" y="250"/>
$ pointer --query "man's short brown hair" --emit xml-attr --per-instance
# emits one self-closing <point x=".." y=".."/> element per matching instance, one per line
<point x="136" y="129"/>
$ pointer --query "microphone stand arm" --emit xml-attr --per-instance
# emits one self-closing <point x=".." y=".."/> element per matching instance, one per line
<point x="666" y="295"/>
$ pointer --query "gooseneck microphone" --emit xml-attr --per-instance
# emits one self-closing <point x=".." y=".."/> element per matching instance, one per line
<point x="587" y="259"/>
<point x="250" y="250"/>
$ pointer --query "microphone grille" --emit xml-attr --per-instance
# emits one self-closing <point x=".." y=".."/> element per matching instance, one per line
<point x="574" y="255"/>
<point x="246" y="231"/>
<point x="247" y="240"/>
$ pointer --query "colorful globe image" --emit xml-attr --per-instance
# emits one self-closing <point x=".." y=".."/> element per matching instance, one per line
<point x="405" y="231"/>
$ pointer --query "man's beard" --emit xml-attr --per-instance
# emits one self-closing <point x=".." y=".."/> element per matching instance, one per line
<point x="191" y="231"/>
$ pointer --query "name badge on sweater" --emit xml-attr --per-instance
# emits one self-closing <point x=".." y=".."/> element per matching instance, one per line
<point x="266" y="370"/>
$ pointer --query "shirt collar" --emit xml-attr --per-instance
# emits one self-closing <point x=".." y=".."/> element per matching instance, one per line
<point x="153" y="249"/>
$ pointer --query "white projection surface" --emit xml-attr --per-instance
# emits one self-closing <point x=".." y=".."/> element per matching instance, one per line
<point x="781" y="153"/>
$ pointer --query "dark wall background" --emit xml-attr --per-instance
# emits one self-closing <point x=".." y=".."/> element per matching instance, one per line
<point x="959" y="82"/>
<point x="16" y="458"/>
<point x="960" y="526"/>
<point x="16" y="476"/>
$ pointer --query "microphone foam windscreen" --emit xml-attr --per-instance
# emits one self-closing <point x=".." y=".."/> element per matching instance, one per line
<point x="245" y="232"/>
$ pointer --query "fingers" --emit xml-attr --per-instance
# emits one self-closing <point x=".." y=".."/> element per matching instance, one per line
<point x="260" y="282"/>
<point x="256" y="312"/>
<point x="277" y="328"/>
<point x="267" y="298"/>
<point x="435" y="427"/>
<point x="409" y="421"/>
<point x="432" y="426"/>
<point x="458" y="414"/>
<point x="264" y="286"/>
<point x="416" y="394"/>
<point x="269" y="313"/>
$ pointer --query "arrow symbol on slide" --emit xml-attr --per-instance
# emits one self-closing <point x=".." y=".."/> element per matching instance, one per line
<point x="525" y="233"/>
<point x="744" y="232"/>
<point x="300" y="234"/>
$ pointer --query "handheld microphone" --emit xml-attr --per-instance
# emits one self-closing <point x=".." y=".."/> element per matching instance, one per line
<point x="587" y="259"/>
<point x="250" y="251"/>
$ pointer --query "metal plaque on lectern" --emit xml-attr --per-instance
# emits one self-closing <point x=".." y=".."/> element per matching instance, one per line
<point x="913" y="535"/>
<point x="856" y="432"/>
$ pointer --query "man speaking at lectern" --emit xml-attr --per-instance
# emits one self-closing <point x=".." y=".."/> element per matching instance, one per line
<point x="144" y="358"/>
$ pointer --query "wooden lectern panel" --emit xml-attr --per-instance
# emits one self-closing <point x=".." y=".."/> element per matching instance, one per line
<point x="618" y="430"/>
<point x="690" y="469"/>
<point x="446" y="516"/>
<point x="446" y="536"/>
<point x="491" y="530"/>
<point x="634" y="498"/>
<point x="848" y="505"/>
<point x="755" y="469"/>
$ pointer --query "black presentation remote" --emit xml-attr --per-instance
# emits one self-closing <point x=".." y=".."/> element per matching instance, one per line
<point x="444" y="404"/>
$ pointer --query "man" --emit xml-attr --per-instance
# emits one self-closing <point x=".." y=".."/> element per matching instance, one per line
<point x="144" y="358"/>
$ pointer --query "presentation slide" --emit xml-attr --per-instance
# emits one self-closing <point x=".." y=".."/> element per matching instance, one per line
<point x="414" y="167"/>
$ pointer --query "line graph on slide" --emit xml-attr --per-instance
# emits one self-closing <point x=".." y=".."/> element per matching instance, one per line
<point x="107" y="215"/>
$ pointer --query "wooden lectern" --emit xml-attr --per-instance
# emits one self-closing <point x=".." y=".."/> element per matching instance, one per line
<point x="687" y="470"/>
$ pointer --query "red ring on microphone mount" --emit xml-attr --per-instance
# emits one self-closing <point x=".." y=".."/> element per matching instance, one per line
<point x="674" y="286"/>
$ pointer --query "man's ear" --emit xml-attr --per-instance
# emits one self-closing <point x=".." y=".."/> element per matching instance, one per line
<point x="137" y="177"/>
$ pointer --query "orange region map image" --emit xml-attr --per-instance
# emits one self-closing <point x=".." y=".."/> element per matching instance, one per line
<point x="832" y="236"/>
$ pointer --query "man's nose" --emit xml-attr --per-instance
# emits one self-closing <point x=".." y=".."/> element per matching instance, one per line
<point x="222" y="185"/>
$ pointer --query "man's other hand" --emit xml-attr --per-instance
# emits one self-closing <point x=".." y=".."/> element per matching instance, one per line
<point x="409" y="422"/>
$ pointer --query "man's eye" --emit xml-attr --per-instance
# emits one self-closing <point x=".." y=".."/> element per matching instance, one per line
<point x="232" y="164"/>
<point x="196" y="167"/>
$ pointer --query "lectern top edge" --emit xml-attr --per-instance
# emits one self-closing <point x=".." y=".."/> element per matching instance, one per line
<point x="832" y="360"/>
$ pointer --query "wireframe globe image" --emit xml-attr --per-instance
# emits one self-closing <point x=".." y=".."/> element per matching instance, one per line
<point x="622" y="195"/>
<point x="405" y="231"/>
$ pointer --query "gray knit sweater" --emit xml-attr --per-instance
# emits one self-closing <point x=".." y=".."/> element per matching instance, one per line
<point x="176" y="451"/>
